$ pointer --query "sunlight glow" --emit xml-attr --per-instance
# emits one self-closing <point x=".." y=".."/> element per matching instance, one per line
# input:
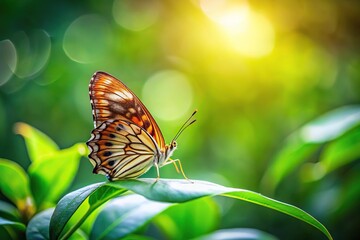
<point x="247" y="32"/>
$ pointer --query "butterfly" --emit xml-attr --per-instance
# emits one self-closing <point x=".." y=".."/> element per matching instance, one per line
<point x="126" y="141"/>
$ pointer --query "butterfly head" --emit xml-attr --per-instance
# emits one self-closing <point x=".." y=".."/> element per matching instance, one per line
<point x="169" y="149"/>
<point x="172" y="146"/>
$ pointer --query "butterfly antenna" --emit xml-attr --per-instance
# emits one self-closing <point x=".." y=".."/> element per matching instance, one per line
<point x="187" y="123"/>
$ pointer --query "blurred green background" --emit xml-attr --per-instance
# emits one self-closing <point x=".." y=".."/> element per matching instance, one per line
<point x="255" y="70"/>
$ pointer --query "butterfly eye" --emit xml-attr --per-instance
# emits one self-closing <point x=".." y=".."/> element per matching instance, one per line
<point x="173" y="144"/>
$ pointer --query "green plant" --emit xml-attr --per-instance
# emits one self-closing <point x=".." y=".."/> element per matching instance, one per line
<point x="50" y="174"/>
<point x="134" y="203"/>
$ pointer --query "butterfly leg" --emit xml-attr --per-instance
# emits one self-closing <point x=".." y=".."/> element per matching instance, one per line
<point x="175" y="162"/>
<point x="157" y="171"/>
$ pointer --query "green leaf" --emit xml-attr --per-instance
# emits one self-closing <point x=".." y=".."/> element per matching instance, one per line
<point x="54" y="174"/>
<point x="8" y="211"/>
<point x="14" y="184"/>
<point x="237" y="233"/>
<point x="173" y="191"/>
<point x="285" y="208"/>
<point x="170" y="190"/>
<point x="125" y="215"/>
<point x="37" y="143"/>
<point x="183" y="190"/>
<point x="86" y="199"/>
<point x="38" y="227"/>
<point x="331" y="125"/>
<point x="347" y="199"/>
<point x="293" y="154"/>
<point x="16" y="225"/>
<point x="307" y="140"/>
<point x="342" y="151"/>
<point x="176" y="223"/>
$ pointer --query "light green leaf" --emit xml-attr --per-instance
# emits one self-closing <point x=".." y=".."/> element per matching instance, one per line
<point x="307" y="140"/>
<point x="237" y="233"/>
<point x="37" y="143"/>
<point x="14" y="184"/>
<point x="51" y="176"/>
<point x="176" y="223"/>
<point x="342" y="151"/>
<point x="331" y="125"/>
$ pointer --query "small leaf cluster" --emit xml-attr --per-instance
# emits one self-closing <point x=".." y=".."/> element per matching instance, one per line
<point x="40" y="187"/>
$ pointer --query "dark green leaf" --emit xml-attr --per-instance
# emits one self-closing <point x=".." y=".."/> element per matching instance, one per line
<point x="125" y="215"/>
<point x="348" y="197"/>
<point x="38" y="227"/>
<point x="8" y="211"/>
<point x="16" y="225"/>
<point x="88" y="198"/>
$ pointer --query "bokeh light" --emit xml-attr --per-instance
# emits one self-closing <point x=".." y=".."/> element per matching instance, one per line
<point x="33" y="51"/>
<point x="87" y="38"/>
<point x="8" y="60"/>
<point x="136" y="15"/>
<point x="168" y="94"/>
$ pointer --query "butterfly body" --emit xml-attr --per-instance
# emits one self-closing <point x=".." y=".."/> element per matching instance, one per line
<point x="126" y="140"/>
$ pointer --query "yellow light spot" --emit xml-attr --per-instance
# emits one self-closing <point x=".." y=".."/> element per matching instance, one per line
<point x="247" y="32"/>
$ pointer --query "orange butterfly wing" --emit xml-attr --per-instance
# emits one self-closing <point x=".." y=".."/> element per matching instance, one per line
<point x="111" y="99"/>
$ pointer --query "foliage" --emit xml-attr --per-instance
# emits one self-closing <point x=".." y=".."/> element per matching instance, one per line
<point x="34" y="195"/>
<point x="39" y="188"/>
<point x="255" y="70"/>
